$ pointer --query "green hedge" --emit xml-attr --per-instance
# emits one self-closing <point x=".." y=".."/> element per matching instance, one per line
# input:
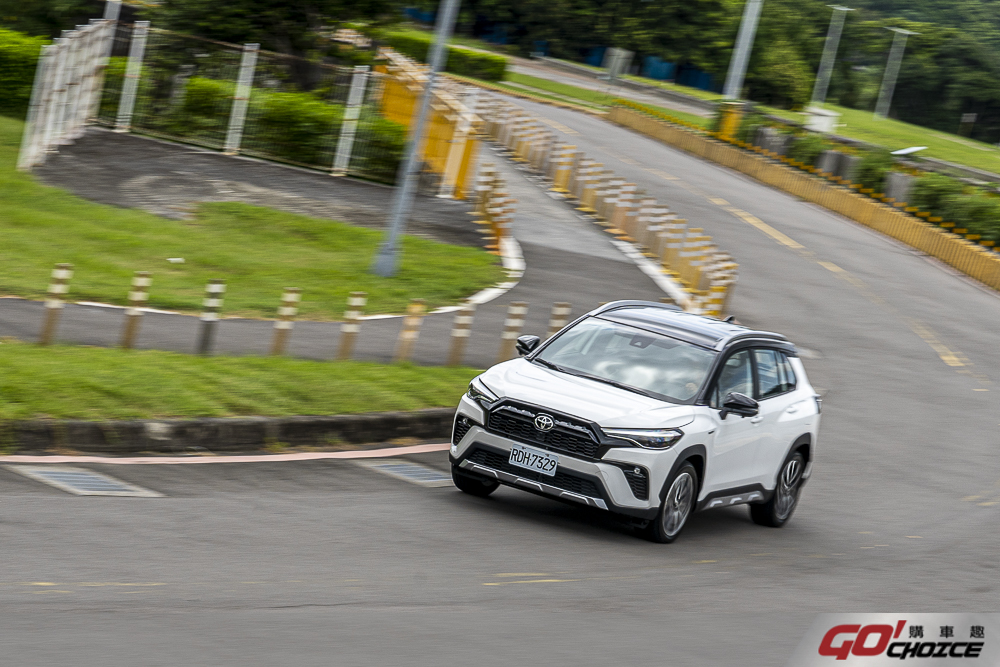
<point x="18" y="57"/>
<point x="486" y="66"/>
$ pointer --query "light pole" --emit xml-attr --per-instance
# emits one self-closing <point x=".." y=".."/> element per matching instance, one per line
<point x="891" y="72"/>
<point x="741" y="53"/>
<point x="387" y="259"/>
<point x="829" y="53"/>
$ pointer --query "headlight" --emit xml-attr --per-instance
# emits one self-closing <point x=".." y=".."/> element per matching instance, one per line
<point x="660" y="438"/>
<point x="480" y="393"/>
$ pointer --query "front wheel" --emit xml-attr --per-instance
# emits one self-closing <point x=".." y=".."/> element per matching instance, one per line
<point x="776" y="512"/>
<point x="677" y="506"/>
<point x="474" y="486"/>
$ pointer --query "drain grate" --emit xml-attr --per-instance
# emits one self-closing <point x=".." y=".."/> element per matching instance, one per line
<point x="82" y="482"/>
<point x="410" y="472"/>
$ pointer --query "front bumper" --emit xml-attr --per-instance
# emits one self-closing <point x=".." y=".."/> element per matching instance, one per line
<point x="598" y="484"/>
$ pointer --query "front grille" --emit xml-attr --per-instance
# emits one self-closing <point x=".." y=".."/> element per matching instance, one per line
<point x="563" y="480"/>
<point x="637" y="481"/>
<point x="462" y="426"/>
<point x="518" y="424"/>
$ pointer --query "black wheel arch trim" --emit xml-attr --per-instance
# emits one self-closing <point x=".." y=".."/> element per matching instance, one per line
<point x="685" y="455"/>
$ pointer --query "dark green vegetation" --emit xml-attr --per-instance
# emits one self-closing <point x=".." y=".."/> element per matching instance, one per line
<point x="464" y="62"/>
<point x="93" y="383"/>
<point x="258" y="252"/>
<point x="18" y="55"/>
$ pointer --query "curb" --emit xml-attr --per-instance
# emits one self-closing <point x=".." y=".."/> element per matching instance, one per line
<point x="237" y="434"/>
<point x="528" y="96"/>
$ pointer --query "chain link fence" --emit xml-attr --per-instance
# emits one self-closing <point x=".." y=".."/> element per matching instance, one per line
<point x="295" y="110"/>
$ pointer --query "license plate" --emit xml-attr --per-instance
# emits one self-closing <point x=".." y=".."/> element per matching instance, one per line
<point x="534" y="459"/>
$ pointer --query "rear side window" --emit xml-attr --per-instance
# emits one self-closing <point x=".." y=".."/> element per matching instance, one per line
<point x="774" y="373"/>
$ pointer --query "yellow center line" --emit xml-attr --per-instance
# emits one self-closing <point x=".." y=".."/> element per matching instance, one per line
<point x="662" y="174"/>
<point x="529" y="581"/>
<point x="522" y="574"/>
<point x="556" y="125"/>
<point x="759" y="224"/>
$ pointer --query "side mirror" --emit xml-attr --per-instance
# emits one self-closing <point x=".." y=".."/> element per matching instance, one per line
<point x="738" y="404"/>
<point x="527" y="344"/>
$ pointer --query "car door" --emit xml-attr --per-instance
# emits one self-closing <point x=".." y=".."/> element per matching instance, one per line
<point x="733" y="449"/>
<point x="782" y="411"/>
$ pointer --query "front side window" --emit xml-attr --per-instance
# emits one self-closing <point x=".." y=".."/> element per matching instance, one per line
<point x="650" y="363"/>
<point x="736" y="376"/>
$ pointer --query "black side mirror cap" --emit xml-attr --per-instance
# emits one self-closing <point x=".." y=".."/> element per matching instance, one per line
<point x="739" y="404"/>
<point x="527" y="344"/>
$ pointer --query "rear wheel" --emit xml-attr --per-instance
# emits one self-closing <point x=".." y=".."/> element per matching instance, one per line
<point x="776" y="512"/>
<point x="677" y="506"/>
<point x="473" y="485"/>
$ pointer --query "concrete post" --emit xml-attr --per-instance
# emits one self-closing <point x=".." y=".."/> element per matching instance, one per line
<point x="54" y="304"/>
<point x="238" y="114"/>
<point x="349" y="127"/>
<point x="133" y="71"/>
<point x="137" y="298"/>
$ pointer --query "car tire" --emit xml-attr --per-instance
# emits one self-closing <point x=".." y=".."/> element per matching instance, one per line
<point x="473" y="485"/>
<point x="677" y="507"/>
<point x="776" y="512"/>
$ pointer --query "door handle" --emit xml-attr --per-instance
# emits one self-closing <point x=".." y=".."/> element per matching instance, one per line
<point x="756" y="420"/>
<point x="792" y="410"/>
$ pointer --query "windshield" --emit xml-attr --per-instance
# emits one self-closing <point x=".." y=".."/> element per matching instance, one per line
<point x="646" y="362"/>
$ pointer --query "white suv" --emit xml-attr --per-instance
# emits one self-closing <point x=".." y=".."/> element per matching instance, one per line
<point x="648" y="412"/>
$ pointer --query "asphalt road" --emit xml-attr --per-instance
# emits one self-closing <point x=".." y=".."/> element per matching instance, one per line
<point x="352" y="567"/>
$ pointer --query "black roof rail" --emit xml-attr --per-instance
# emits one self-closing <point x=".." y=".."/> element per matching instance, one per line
<point x="615" y="305"/>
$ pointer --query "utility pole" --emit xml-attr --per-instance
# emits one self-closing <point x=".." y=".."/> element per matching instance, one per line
<point x="741" y="53"/>
<point x="387" y="260"/>
<point x="829" y="53"/>
<point x="891" y="72"/>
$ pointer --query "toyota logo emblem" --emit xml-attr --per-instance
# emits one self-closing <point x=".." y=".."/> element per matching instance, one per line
<point x="544" y="423"/>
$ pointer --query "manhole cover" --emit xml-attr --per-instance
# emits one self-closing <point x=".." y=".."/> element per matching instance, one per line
<point x="411" y="472"/>
<point x="82" y="482"/>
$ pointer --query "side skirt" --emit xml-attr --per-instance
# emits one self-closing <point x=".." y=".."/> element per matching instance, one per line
<point x="754" y="493"/>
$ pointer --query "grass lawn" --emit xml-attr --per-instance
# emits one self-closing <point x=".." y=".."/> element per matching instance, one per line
<point x="894" y="134"/>
<point x="258" y="251"/>
<point x="96" y="383"/>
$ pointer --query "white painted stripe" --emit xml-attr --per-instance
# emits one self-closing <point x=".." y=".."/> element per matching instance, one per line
<point x="357" y="301"/>
<point x="132" y="312"/>
<point x="253" y="458"/>
<point x="53" y="303"/>
<point x="61" y="274"/>
<point x="142" y="282"/>
<point x="287" y="311"/>
<point x="137" y="296"/>
<point x="216" y="288"/>
<point x="293" y="296"/>
<point x="209" y="317"/>
<point x="57" y="288"/>
<point x="461" y="333"/>
<point x="212" y="303"/>
<point x="283" y="324"/>
<point x="463" y="319"/>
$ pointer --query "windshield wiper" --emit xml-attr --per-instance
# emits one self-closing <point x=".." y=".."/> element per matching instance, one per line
<point x="588" y="376"/>
<point x="549" y="364"/>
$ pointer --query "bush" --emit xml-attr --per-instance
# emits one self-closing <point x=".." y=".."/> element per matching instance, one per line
<point x="378" y="149"/>
<point x="486" y="66"/>
<point x="932" y="191"/>
<point x="807" y="148"/>
<point x="293" y="126"/>
<point x="977" y="213"/>
<point x="875" y="164"/>
<point x="18" y="58"/>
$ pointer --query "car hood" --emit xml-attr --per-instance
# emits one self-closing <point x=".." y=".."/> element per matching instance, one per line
<point x="591" y="400"/>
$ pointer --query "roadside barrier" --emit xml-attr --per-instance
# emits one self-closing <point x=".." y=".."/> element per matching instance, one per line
<point x="291" y="298"/>
<point x="352" y="324"/>
<point x="286" y="316"/>
<point x="512" y="327"/>
<point x="410" y="330"/>
<point x="137" y="298"/>
<point x="494" y="207"/>
<point x="965" y="252"/>
<point x="559" y="318"/>
<point x="460" y="331"/>
<point x="210" y="315"/>
<point x="58" y="289"/>
<point x="706" y="275"/>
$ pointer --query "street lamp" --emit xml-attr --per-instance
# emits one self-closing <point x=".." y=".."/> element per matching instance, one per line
<point x="829" y="53"/>
<point x="741" y="53"/>
<point x="387" y="259"/>
<point x="891" y="72"/>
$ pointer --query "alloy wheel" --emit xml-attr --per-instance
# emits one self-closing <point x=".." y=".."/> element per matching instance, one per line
<point x="788" y="488"/>
<point x="678" y="503"/>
